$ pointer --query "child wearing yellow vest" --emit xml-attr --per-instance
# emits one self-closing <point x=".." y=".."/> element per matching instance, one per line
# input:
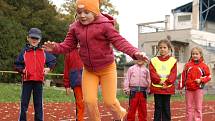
<point x="163" y="72"/>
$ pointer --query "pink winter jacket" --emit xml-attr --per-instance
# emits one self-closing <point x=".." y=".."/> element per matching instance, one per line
<point x="96" y="40"/>
<point x="137" y="76"/>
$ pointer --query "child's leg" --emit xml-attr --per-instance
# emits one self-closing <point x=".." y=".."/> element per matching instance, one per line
<point x="79" y="103"/>
<point x="133" y="103"/>
<point x="158" y="107"/>
<point x="198" y="97"/>
<point x="90" y="82"/>
<point x="166" y="114"/>
<point x="189" y="96"/>
<point x="25" y="98"/>
<point x="142" y="109"/>
<point x="38" y="101"/>
<point x="108" y="78"/>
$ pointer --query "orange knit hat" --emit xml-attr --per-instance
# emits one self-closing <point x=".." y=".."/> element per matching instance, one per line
<point x="91" y="5"/>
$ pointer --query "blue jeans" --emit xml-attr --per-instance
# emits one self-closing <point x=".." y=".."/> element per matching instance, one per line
<point x="37" y="89"/>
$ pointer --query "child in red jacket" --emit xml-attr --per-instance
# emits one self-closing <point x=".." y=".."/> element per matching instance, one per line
<point x="73" y="68"/>
<point x="195" y="75"/>
<point x="163" y="72"/>
<point x="96" y="34"/>
<point x="31" y="64"/>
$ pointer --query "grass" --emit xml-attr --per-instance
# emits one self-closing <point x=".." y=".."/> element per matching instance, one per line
<point x="11" y="93"/>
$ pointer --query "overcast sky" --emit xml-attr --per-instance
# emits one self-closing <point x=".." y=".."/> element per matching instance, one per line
<point x="132" y="12"/>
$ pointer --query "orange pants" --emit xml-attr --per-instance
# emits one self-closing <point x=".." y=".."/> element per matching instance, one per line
<point x="79" y="103"/>
<point x="107" y="78"/>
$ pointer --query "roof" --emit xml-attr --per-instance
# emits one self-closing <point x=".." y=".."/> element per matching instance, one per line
<point x="208" y="9"/>
<point x="184" y="8"/>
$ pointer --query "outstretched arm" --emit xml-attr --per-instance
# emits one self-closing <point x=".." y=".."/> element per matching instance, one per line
<point x="69" y="43"/>
<point x="122" y="44"/>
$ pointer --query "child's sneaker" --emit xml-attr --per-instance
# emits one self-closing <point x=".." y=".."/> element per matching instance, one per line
<point x="123" y="115"/>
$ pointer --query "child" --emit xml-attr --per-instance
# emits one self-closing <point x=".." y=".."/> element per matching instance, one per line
<point x="96" y="34"/>
<point x="194" y="76"/>
<point x="30" y="63"/>
<point x="163" y="72"/>
<point x="136" y="84"/>
<point x="73" y="67"/>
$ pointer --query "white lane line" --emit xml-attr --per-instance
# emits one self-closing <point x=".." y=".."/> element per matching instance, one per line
<point x="176" y="117"/>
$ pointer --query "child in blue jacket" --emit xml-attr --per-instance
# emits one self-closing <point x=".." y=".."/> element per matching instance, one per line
<point x="31" y="64"/>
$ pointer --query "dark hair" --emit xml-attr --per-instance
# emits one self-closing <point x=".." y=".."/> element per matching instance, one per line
<point x="167" y="42"/>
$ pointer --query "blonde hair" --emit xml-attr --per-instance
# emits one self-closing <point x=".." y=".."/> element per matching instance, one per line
<point x="198" y="49"/>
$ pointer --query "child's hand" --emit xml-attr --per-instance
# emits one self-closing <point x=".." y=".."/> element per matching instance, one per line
<point x="49" y="46"/>
<point x="198" y="81"/>
<point x="141" y="56"/>
<point x="164" y="86"/>
<point x="161" y="83"/>
<point x="46" y="70"/>
<point x="127" y="92"/>
<point x="68" y="91"/>
<point x="23" y="71"/>
<point x="180" y="93"/>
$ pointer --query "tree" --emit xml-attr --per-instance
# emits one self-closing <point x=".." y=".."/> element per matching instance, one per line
<point x="70" y="8"/>
<point x="17" y="17"/>
<point x="107" y="7"/>
<point x="12" y="38"/>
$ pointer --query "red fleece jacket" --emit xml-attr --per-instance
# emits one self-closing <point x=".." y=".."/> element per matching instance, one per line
<point x="96" y="40"/>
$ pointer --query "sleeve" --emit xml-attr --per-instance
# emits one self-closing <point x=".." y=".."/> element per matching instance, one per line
<point x="118" y="41"/>
<point x="148" y="80"/>
<point x="19" y="64"/>
<point x="50" y="60"/>
<point x="155" y="78"/>
<point x="127" y="80"/>
<point x="181" y="82"/>
<point x="69" y="43"/>
<point x="207" y="75"/>
<point x="173" y="75"/>
<point x="66" y="71"/>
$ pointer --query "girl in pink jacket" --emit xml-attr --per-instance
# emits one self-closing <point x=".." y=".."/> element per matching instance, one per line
<point x="136" y="84"/>
<point x="96" y="35"/>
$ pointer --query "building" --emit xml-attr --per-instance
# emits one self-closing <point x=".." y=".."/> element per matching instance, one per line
<point x="194" y="25"/>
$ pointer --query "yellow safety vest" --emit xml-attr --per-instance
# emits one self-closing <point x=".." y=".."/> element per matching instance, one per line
<point x="163" y="68"/>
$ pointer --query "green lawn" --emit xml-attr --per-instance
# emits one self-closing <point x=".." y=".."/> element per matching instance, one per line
<point x="11" y="93"/>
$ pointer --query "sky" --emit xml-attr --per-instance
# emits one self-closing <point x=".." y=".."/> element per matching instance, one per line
<point x="132" y="12"/>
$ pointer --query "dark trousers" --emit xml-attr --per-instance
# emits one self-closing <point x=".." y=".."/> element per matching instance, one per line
<point x="27" y="89"/>
<point x="162" y="107"/>
<point x="137" y="101"/>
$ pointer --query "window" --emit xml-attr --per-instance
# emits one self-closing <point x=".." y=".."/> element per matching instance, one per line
<point x="184" y="18"/>
<point x="154" y="50"/>
<point x="177" y="53"/>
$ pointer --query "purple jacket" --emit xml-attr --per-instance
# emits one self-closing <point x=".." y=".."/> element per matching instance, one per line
<point x="96" y="40"/>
